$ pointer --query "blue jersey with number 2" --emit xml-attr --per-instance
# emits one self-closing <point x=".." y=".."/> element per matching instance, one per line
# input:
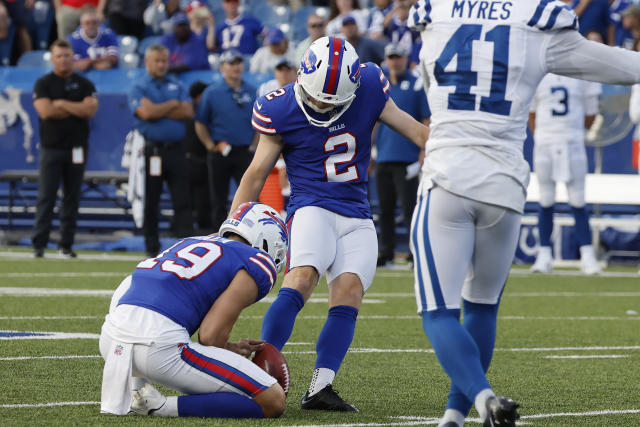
<point x="326" y="166"/>
<point x="183" y="282"/>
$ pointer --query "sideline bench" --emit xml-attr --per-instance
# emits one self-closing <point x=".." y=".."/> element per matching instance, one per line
<point x="98" y="181"/>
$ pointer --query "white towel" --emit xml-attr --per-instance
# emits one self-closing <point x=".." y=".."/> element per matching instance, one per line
<point x="133" y="158"/>
<point x="116" y="379"/>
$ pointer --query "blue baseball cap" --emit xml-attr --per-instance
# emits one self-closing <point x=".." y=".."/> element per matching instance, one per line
<point x="275" y="35"/>
<point x="179" y="18"/>
<point x="348" y="20"/>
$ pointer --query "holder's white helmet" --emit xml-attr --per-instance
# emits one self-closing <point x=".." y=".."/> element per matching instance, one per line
<point x="262" y="227"/>
<point x="330" y="73"/>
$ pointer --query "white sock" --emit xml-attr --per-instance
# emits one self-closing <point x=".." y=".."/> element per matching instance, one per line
<point x="321" y="377"/>
<point x="169" y="409"/>
<point x="137" y="383"/>
<point x="452" y="415"/>
<point x="481" y="402"/>
<point x="587" y="251"/>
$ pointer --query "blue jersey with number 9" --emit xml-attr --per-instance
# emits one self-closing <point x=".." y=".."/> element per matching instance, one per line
<point x="183" y="282"/>
<point x="326" y="166"/>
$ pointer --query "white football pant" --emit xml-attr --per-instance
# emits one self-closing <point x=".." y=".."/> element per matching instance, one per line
<point x="461" y="248"/>
<point x="560" y="163"/>
<point x="333" y="243"/>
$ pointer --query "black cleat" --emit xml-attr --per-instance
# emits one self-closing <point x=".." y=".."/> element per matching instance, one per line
<point x="67" y="253"/>
<point x="449" y="424"/>
<point x="501" y="412"/>
<point x="38" y="252"/>
<point x="326" y="399"/>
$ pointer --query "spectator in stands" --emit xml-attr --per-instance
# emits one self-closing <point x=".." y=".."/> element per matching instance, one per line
<point x="368" y="50"/>
<point x="65" y="101"/>
<point x="238" y="32"/>
<point x="378" y="13"/>
<point x="631" y="25"/>
<point x="197" y="165"/>
<point x="19" y="12"/>
<point x="158" y="13"/>
<point x="4" y="21"/>
<point x="202" y="23"/>
<point x="395" y="26"/>
<point x="276" y="47"/>
<point x="223" y="123"/>
<point x="285" y="72"/>
<point x="341" y="9"/>
<point x="94" y="46"/>
<point x="68" y="14"/>
<point x="125" y="16"/>
<point x="316" y="26"/>
<point x="592" y="15"/>
<point x="187" y="50"/>
<point x="398" y="160"/>
<point x="618" y="35"/>
<point x="160" y="105"/>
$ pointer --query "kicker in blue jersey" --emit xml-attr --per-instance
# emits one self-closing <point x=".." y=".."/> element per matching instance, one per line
<point x="326" y="166"/>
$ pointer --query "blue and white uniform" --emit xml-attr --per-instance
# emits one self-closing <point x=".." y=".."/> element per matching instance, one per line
<point x="327" y="169"/>
<point x="240" y="34"/>
<point x="482" y="62"/>
<point x="155" y="311"/>
<point x="103" y="45"/>
<point x="559" y="155"/>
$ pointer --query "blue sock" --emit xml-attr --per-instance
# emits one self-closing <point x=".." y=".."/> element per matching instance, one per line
<point x="456" y="350"/>
<point x="336" y="336"/>
<point x="280" y="317"/>
<point x="480" y="321"/>
<point x="545" y="225"/>
<point x="218" y="405"/>
<point x="583" y="231"/>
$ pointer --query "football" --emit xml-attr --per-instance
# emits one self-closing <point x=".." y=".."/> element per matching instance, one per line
<point x="273" y="363"/>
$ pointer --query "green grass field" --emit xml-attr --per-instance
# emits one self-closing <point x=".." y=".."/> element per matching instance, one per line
<point x="568" y="349"/>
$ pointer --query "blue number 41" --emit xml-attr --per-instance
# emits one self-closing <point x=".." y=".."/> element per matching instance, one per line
<point x="463" y="78"/>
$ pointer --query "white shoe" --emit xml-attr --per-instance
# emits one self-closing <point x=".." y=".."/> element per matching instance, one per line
<point x="147" y="400"/>
<point x="588" y="263"/>
<point x="544" y="261"/>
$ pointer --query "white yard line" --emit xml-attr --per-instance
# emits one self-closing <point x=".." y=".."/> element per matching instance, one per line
<point x="7" y="256"/>
<point x="70" y="356"/>
<point x="68" y="274"/>
<point x="48" y="405"/>
<point x="590" y="356"/>
<point x="33" y="335"/>
<point x="318" y="298"/>
<point x="50" y="317"/>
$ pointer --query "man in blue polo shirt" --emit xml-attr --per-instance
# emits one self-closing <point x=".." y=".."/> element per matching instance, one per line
<point x="160" y="105"/>
<point x="397" y="159"/>
<point x="187" y="50"/>
<point x="223" y="124"/>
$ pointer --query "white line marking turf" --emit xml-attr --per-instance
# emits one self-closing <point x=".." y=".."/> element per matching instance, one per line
<point x="69" y="356"/>
<point x="318" y="298"/>
<point x="68" y="274"/>
<point x="363" y="317"/>
<point x="31" y="335"/>
<point x="590" y="356"/>
<point x="47" y="405"/>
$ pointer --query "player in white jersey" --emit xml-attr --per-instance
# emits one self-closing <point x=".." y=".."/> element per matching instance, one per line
<point x="482" y="61"/>
<point x="561" y="109"/>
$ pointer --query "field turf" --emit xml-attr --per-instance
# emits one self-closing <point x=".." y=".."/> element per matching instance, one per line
<point x="568" y="349"/>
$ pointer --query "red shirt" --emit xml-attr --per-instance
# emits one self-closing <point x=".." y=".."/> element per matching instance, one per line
<point x="77" y="4"/>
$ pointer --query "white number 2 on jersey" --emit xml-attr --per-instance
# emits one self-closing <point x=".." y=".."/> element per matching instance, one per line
<point x="199" y="263"/>
<point x="332" y="162"/>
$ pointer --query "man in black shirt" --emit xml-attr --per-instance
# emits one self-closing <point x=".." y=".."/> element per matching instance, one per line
<point x="65" y="101"/>
<point x="197" y="164"/>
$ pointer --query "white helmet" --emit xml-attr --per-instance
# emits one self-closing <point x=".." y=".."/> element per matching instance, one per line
<point x="262" y="227"/>
<point x="330" y="73"/>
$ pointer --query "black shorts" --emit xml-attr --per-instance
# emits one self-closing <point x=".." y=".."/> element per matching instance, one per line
<point x="18" y="13"/>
